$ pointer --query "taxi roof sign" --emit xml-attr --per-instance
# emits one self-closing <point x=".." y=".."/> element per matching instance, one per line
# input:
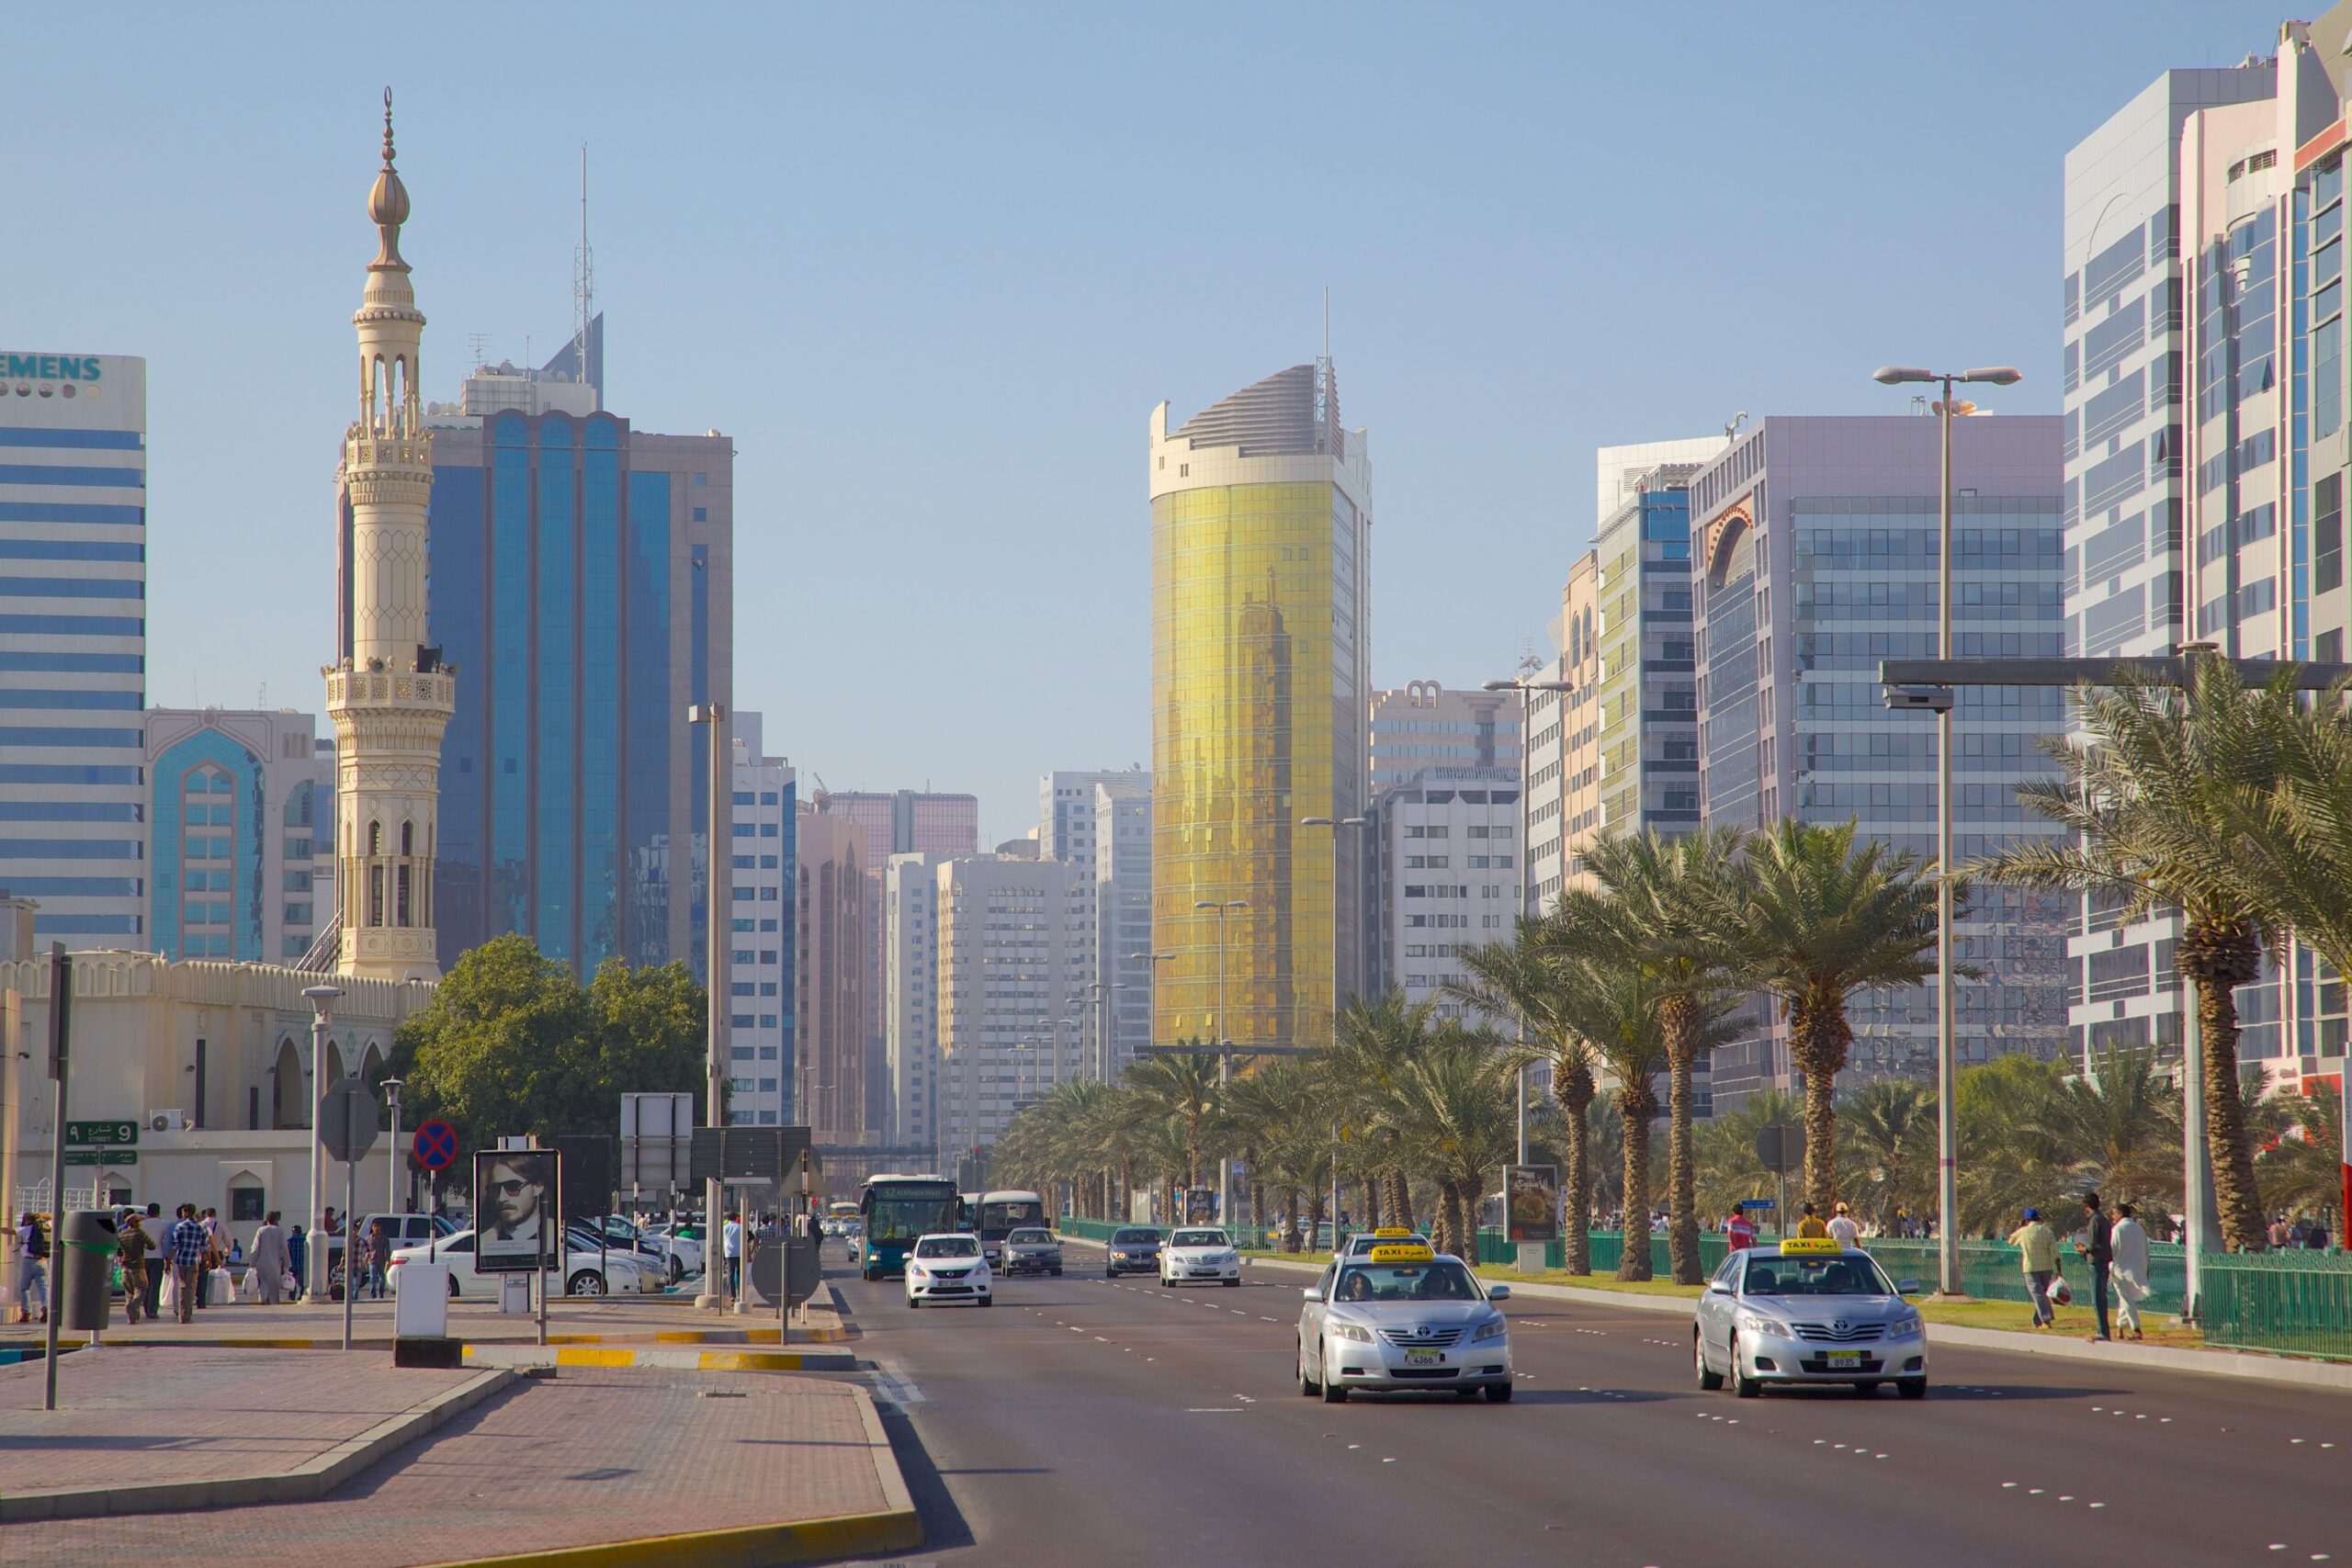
<point x="1392" y="1230"/>
<point x="1403" y="1253"/>
<point x="1799" y="1245"/>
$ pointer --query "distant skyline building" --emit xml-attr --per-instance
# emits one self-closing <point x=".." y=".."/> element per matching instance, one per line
<point x="74" y="643"/>
<point x="1813" y="553"/>
<point x="1449" y="874"/>
<point x="1013" y="941"/>
<point x="1261" y="533"/>
<point x="240" y="833"/>
<point x="1079" y="820"/>
<point x="762" y="953"/>
<point x="911" y="996"/>
<point x="1426" y="724"/>
<point x="1568" y="794"/>
<point x="829" y="1029"/>
<point x="1648" y="739"/>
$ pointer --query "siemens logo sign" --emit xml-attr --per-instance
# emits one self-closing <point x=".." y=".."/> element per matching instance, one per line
<point x="50" y="366"/>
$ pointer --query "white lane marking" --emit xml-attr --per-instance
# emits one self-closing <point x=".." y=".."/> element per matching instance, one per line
<point x="1278" y="1320"/>
<point x="1216" y="1410"/>
<point x="899" y="1388"/>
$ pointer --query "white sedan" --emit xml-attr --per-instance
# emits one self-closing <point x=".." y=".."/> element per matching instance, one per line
<point x="1195" y="1256"/>
<point x="948" y="1267"/>
<point x="621" y="1273"/>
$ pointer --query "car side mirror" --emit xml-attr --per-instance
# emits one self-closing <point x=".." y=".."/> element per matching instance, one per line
<point x="1313" y="1293"/>
<point x="1719" y="1287"/>
<point x="1906" y="1287"/>
<point x="1499" y="1293"/>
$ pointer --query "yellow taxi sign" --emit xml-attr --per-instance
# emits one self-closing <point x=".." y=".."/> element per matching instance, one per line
<point x="1392" y="1230"/>
<point x="1797" y="1247"/>
<point x="1401" y="1253"/>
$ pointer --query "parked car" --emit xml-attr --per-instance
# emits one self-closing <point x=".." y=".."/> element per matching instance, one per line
<point x="582" y="1275"/>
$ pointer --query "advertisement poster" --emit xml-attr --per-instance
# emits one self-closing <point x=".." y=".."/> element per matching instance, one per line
<point x="515" y="1196"/>
<point x="1532" y="1202"/>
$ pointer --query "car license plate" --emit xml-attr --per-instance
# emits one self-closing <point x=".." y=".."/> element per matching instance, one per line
<point x="1424" y="1358"/>
<point x="1844" y="1360"/>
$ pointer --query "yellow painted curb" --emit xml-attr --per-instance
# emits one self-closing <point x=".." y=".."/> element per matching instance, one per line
<point x="498" y="1353"/>
<point x="751" y="1546"/>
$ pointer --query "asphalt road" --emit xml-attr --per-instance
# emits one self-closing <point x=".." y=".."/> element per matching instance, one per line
<point x="1083" y="1422"/>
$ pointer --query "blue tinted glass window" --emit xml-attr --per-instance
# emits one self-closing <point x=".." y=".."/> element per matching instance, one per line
<point x="651" y="723"/>
<point x="556" y="737"/>
<point x="600" y="698"/>
<point x="507" y="892"/>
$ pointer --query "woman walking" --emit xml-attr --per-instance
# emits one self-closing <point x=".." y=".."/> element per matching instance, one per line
<point x="32" y="1267"/>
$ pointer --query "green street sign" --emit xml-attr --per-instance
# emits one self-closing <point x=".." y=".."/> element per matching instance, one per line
<point x="101" y="1132"/>
<point x="102" y="1157"/>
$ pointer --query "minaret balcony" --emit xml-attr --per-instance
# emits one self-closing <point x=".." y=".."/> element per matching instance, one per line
<point x="363" y="452"/>
<point x="391" y="688"/>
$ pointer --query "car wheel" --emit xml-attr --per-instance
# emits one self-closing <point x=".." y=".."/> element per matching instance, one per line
<point x="1233" y="1284"/>
<point x="1911" y="1388"/>
<point x="913" y="1301"/>
<point x="1057" y="1273"/>
<point x="587" y="1282"/>
<point x="453" y="1287"/>
<point x="1709" y="1378"/>
<point x="1307" y="1386"/>
<point x="1498" y="1393"/>
<point x="1334" y="1393"/>
<point x="988" y="1300"/>
<point x="1741" y="1383"/>
<point x="677" y="1270"/>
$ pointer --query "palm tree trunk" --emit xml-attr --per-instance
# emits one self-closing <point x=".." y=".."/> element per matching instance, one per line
<point x="1679" y="1017"/>
<point x="1399" y="1198"/>
<point x="1573" y="1091"/>
<point x="1818" y="1039"/>
<point x="2218" y="961"/>
<point x="1633" y="1259"/>
<point x="1290" y="1219"/>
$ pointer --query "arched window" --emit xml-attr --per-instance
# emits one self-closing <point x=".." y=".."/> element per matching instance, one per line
<point x="375" y="838"/>
<point x="408" y="837"/>
<point x="289" y="1105"/>
<point x="299" y="804"/>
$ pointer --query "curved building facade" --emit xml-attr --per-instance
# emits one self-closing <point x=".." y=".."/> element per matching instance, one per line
<point x="1261" y="521"/>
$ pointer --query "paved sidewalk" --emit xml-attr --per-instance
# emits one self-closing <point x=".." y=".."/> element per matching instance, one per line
<point x="140" y="1415"/>
<point x="762" y="1468"/>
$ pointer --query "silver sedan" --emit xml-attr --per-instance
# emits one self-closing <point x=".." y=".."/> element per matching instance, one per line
<point x="1807" y="1311"/>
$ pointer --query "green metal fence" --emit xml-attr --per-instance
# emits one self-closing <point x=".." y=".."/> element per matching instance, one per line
<point x="2298" y="1303"/>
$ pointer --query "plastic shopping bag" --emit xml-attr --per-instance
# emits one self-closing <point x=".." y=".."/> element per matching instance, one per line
<point x="2060" y="1292"/>
<point x="168" y="1298"/>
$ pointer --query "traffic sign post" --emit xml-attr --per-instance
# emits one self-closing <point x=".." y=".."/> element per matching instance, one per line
<point x="347" y="1127"/>
<point x="110" y="1133"/>
<point x="1780" y="1146"/>
<point x="434" y="1146"/>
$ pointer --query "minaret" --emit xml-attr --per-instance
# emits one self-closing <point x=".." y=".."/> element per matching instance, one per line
<point x="389" y="694"/>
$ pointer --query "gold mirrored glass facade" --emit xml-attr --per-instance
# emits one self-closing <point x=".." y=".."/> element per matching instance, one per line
<point x="1261" y="528"/>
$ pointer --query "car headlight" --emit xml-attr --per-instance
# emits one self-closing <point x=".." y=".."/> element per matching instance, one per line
<point x="1907" y="1324"/>
<point x="1756" y="1323"/>
<point x="1493" y="1330"/>
<point x="915" y="1271"/>
<point x="1350" y="1331"/>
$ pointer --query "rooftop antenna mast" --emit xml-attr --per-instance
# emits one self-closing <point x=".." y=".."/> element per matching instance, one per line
<point x="1327" y="410"/>
<point x="583" y="280"/>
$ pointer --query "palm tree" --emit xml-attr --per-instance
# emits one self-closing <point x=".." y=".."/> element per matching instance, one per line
<point x="1824" y="918"/>
<point x="1183" y="1087"/>
<point x="1454" y="1106"/>
<point x="2302" y="1167"/>
<point x="1372" y="1043"/>
<point x="1728" y="1168"/>
<point x="1521" y="979"/>
<point x="2158" y="803"/>
<point x="2119" y="1126"/>
<point x="1888" y="1129"/>
<point x="1614" y="1009"/>
<point x="1671" y="905"/>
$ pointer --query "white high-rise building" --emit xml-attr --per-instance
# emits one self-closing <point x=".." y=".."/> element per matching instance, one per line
<point x="910" y="994"/>
<point x="1078" y="821"/>
<point x="74" y="643"/>
<point x="760" y="959"/>
<point x="1449" y="867"/>
<point x="1014" y="939"/>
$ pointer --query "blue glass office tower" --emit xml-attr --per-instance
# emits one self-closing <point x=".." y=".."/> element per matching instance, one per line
<point x="74" y="642"/>
<point x="582" y="578"/>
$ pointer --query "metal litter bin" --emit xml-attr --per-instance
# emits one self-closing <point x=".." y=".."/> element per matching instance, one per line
<point x="84" y="1265"/>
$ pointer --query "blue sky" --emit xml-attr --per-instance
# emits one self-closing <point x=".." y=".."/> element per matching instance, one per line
<point x="930" y="266"/>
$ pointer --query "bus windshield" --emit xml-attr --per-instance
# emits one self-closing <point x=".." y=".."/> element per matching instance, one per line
<point x="897" y="1212"/>
<point x="1003" y="1212"/>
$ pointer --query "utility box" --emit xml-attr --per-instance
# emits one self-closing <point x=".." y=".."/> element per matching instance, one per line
<point x="84" y="1267"/>
<point x="420" y="1301"/>
<point x="514" y="1293"/>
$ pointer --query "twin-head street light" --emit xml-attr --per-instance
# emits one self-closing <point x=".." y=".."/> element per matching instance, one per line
<point x="1939" y="701"/>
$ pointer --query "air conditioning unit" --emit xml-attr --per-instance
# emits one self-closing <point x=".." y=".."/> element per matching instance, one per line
<point x="167" y="1121"/>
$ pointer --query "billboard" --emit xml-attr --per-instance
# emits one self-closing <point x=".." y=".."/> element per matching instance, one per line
<point x="1532" y="1202"/>
<point x="516" y="1198"/>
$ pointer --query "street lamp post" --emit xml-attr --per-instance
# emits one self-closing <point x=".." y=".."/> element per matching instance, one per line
<point x="321" y="1000"/>
<point x="1365" y="936"/>
<point x="713" y="1288"/>
<point x="392" y="1204"/>
<point x="1224" y="1054"/>
<point x="1946" y="1072"/>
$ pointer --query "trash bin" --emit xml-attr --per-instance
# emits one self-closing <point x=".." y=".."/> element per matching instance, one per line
<point x="84" y="1265"/>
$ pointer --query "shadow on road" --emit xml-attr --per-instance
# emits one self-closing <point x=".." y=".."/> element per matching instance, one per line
<point x="943" y="1525"/>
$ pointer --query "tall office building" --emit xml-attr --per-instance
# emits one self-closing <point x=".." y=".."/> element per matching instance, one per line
<point x="910" y="997"/>
<point x="762" y="952"/>
<point x="583" y="572"/>
<point x="1424" y="724"/>
<point x="1448" y="876"/>
<point x="240" y="833"/>
<point x="1648" y="710"/>
<point x="831" y="978"/>
<point x="1261" y="533"/>
<point x="1079" y="821"/>
<point x="1013" y="938"/>
<point x="1574" y="716"/>
<point x="1814" y="557"/>
<point x="2204" y="405"/>
<point x="74" y="643"/>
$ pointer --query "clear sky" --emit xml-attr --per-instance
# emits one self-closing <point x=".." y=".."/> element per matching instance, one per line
<point x="932" y="265"/>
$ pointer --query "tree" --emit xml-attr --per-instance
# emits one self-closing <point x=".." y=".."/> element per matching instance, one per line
<point x="1453" y="1104"/>
<point x="2302" y="1165"/>
<point x="512" y="1044"/>
<point x="2159" y="802"/>
<point x="1672" y="905"/>
<point x="1888" y="1133"/>
<point x="1825" y="917"/>
<point x="1183" y="1087"/>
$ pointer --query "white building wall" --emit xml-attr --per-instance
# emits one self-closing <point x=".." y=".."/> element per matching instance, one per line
<point x="1448" y="874"/>
<point x="910" y="995"/>
<point x="1013" y="935"/>
<point x="760" y="949"/>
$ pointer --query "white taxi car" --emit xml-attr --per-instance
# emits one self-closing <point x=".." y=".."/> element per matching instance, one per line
<point x="1401" y="1317"/>
<point x="948" y="1265"/>
<point x="1195" y="1256"/>
<point x="1808" y="1311"/>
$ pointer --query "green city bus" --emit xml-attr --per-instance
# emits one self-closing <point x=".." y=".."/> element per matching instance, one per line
<point x="894" y="1210"/>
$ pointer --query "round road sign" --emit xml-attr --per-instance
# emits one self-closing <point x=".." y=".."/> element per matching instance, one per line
<point x="436" y="1144"/>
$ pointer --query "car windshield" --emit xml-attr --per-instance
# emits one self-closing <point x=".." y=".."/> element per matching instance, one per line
<point x="947" y="1247"/>
<point x="1849" y="1276"/>
<point x="1198" y="1238"/>
<point x="1135" y="1239"/>
<point x="1030" y="1239"/>
<point x="1443" y="1281"/>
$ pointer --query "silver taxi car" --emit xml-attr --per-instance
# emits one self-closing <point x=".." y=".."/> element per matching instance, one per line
<point x="1400" y="1316"/>
<point x="1808" y="1311"/>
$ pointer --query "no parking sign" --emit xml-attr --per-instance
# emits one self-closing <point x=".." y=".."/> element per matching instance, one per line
<point x="435" y="1145"/>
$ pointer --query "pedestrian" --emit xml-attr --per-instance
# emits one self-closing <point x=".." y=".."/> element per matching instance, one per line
<point x="378" y="1258"/>
<point x="32" y="1267"/>
<point x="151" y="1224"/>
<point x="271" y="1260"/>
<point x="131" y="1245"/>
<point x="2096" y="1243"/>
<point x="1842" y="1228"/>
<point x="215" y="1255"/>
<point x="2317" y="1239"/>
<point x="1811" y="1225"/>
<point x="731" y="1239"/>
<point x="1740" y="1231"/>
<point x="185" y="1244"/>
<point x="298" y="1256"/>
<point x="2037" y="1247"/>
<point x="2130" y="1267"/>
